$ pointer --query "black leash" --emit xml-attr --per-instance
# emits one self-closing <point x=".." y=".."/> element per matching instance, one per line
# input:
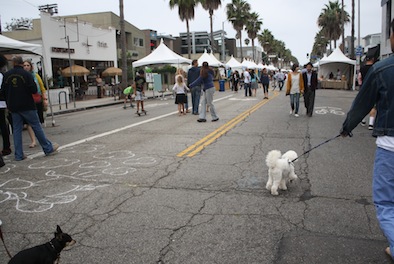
<point x="306" y="152"/>
<point x="2" y="239"/>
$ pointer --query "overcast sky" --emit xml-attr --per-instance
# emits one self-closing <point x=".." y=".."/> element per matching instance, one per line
<point x="292" y="21"/>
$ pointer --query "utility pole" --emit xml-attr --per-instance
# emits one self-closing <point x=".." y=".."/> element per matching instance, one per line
<point x="123" y="46"/>
<point x="352" y="33"/>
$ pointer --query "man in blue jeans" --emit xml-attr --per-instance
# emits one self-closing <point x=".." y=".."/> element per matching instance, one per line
<point x="192" y="75"/>
<point x="17" y="87"/>
<point x="378" y="89"/>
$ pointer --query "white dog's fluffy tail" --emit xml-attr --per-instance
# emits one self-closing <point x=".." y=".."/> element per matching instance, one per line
<point x="272" y="158"/>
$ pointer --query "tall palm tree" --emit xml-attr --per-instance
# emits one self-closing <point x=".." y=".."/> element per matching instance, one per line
<point x="330" y="21"/>
<point x="238" y="13"/>
<point x="266" y="39"/>
<point x="186" y="13"/>
<point x="253" y="26"/>
<point x="211" y="6"/>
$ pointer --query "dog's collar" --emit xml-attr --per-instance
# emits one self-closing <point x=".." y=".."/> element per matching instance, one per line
<point x="290" y="162"/>
<point x="54" y="249"/>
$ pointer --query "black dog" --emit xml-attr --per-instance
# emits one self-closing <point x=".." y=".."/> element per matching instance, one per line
<point x="47" y="253"/>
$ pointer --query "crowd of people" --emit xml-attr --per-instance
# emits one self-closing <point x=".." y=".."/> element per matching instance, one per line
<point x="22" y="103"/>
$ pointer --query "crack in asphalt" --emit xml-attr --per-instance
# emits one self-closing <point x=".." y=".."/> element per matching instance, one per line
<point x="167" y="248"/>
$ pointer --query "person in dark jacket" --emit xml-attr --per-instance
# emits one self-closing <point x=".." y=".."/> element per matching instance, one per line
<point x="310" y="85"/>
<point x="206" y="79"/>
<point x="378" y="89"/>
<point x="192" y="75"/>
<point x="4" y="128"/>
<point x="17" y="87"/>
<point x="265" y="81"/>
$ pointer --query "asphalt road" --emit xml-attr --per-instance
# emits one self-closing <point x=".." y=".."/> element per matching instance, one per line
<point x="166" y="189"/>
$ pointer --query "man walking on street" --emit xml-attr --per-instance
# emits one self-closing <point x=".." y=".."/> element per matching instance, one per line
<point x="247" y="83"/>
<point x="17" y="87"/>
<point x="378" y="88"/>
<point x="310" y="85"/>
<point x="192" y="75"/>
<point x="280" y="76"/>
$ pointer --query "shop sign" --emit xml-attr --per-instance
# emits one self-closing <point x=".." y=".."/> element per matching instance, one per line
<point x="62" y="50"/>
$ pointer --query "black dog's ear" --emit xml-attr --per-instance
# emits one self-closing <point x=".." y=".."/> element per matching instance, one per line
<point x="58" y="230"/>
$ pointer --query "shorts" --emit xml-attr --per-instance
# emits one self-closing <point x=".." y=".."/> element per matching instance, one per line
<point x="139" y="96"/>
<point x="255" y="85"/>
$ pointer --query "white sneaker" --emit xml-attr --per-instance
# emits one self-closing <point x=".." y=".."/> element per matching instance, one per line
<point x="296" y="115"/>
<point x="291" y="112"/>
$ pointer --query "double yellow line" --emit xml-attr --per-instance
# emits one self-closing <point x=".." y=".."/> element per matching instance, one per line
<point x="207" y="140"/>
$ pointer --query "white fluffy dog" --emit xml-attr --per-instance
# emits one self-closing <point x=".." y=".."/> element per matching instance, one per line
<point x="280" y="169"/>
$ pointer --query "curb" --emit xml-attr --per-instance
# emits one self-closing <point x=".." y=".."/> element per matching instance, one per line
<point x="67" y="111"/>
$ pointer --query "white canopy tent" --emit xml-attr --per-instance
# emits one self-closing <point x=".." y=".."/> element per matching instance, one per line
<point x="215" y="59"/>
<point x="161" y="55"/>
<point x="212" y="61"/>
<point x="12" y="46"/>
<point x="337" y="60"/>
<point x="249" y="64"/>
<point x="233" y="63"/>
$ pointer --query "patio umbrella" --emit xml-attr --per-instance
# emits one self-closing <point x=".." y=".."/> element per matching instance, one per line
<point x="77" y="70"/>
<point x="111" y="71"/>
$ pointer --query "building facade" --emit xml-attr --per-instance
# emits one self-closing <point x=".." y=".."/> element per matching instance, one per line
<point x="387" y="17"/>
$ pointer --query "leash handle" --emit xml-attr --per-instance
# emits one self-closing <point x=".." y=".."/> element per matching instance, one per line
<point x="2" y="239"/>
<point x="324" y="142"/>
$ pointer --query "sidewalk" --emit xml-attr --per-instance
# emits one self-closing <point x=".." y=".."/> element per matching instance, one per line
<point x="91" y="101"/>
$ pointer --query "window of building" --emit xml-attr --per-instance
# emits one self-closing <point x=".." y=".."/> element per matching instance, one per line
<point x="138" y="42"/>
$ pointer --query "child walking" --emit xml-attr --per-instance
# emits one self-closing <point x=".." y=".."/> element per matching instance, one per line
<point x="180" y="89"/>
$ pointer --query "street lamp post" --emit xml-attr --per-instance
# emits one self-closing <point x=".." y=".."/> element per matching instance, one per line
<point x="223" y="45"/>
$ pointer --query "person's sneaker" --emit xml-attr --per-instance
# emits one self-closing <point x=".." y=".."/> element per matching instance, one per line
<point x="55" y="146"/>
<point x="296" y="115"/>
<point x="216" y="119"/>
<point x="201" y="120"/>
<point x="291" y="112"/>
<point x="363" y="123"/>
<point x="370" y="127"/>
<point x="6" y="152"/>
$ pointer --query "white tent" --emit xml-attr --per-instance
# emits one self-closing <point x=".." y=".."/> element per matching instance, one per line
<point x="233" y="63"/>
<point x="212" y="61"/>
<point x="216" y="60"/>
<point x="337" y="60"/>
<point x="161" y="55"/>
<point x="12" y="46"/>
<point x="249" y="64"/>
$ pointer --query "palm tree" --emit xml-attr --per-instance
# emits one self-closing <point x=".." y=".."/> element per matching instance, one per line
<point x="186" y="13"/>
<point x="238" y="13"/>
<point x="210" y="6"/>
<point x="253" y="26"/>
<point x="266" y="39"/>
<point x="330" y="21"/>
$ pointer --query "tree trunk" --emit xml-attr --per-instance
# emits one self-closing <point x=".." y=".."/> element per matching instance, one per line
<point x="123" y="45"/>
<point x="352" y="33"/>
<point x="343" y="27"/>
<point x="212" y="43"/>
<point x="188" y="39"/>
<point x="240" y="44"/>
<point x="254" y="59"/>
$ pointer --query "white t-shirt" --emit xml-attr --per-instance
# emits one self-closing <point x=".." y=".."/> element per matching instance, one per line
<point x="385" y="142"/>
<point x="180" y="89"/>
<point x="2" y="103"/>
<point x="295" y="83"/>
<point x="247" y="78"/>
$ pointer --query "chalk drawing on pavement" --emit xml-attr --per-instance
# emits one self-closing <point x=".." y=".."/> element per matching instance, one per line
<point x="322" y="110"/>
<point x="60" y="180"/>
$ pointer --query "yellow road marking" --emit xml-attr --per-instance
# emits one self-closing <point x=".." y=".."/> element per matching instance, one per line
<point x="207" y="140"/>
